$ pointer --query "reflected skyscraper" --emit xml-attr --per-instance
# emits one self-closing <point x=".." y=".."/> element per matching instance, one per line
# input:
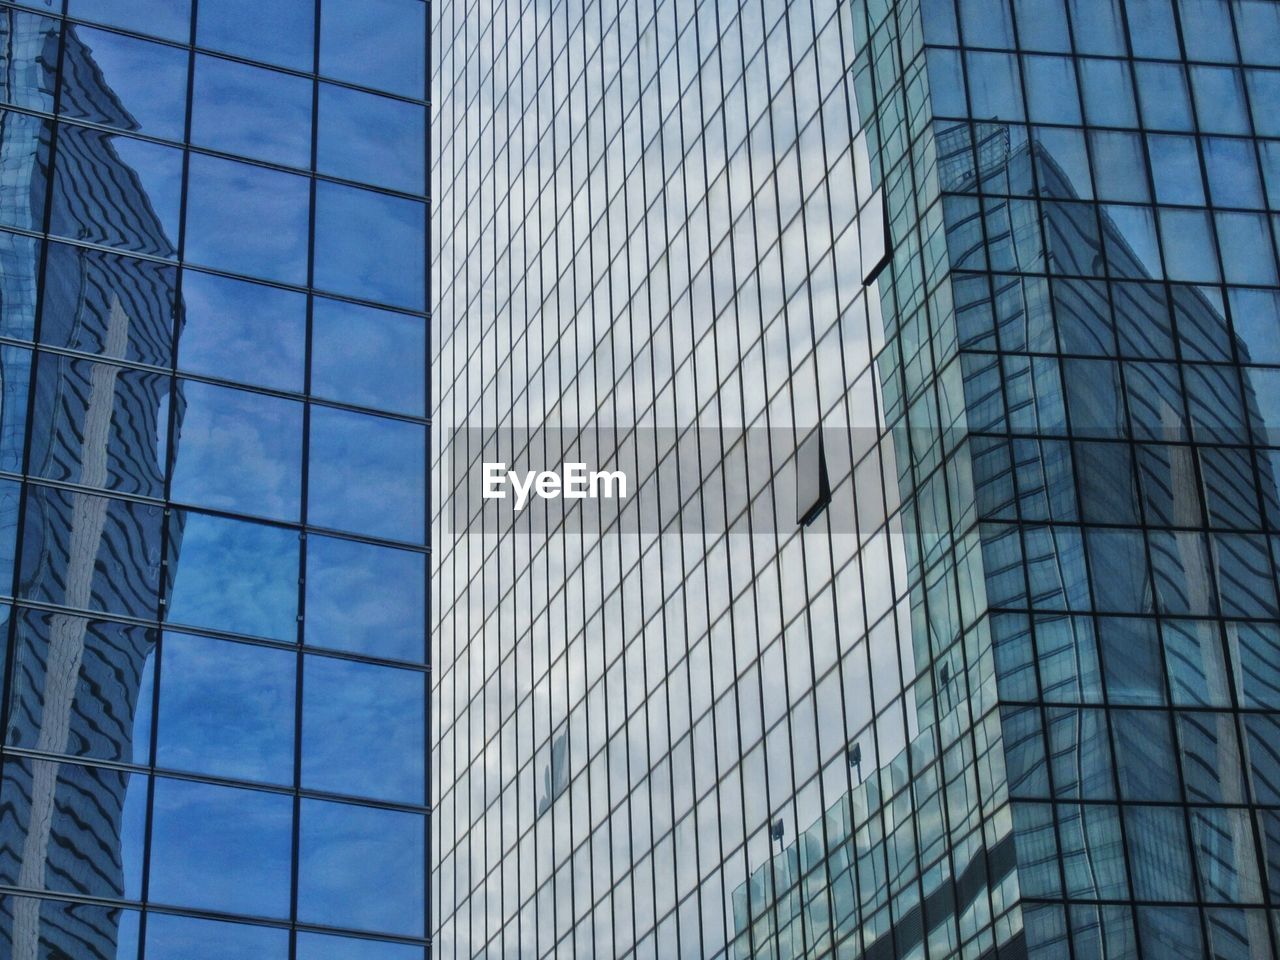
<point x="1012" y="692"/>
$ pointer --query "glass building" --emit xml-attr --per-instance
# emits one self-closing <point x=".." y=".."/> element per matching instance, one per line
<point x="213" y="365"/>
<point x="1014" y="690"/>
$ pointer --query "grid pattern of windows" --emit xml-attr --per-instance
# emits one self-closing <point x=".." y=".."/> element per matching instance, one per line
<point x="1108" y="179"/>
<point x="212" y="479"/>
<point x="685" y="743"/>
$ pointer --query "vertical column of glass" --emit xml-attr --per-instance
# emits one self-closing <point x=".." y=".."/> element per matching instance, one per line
<point x="216" y="671"/>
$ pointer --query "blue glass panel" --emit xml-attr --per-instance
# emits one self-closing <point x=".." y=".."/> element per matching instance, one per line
<point x="242" y="331"/>
<point x="315" y="946"/>
<point x="234" y="575"/>
<point x="188" y="938"/>
<point x="367" y="475"/>
<point x="106" y="713"/>
<point x="221" y="848"/>
<point x="24" y="141"/>
<point x="372" y="139"/>
<point x="279" y="32"/>
<point x="381" y="756"/>
<point x="247" y="219"/>
<point x="389" y="271"/>
<point x="104" y="425"/>
<point x="375" y="43"/>
<point x="250" y="706"/>
<point x="239" y="451"/>
<point x="25" y="79"/>
<point x="60" y="929"/>
<point x="169" y="19"/>
<point x="253" y="112"/>
<point x="19" y="261"/>
<point x="87" y="824"/>
<point x="373" y="358"/>
<point x="361" y="868"/>
<point x="148" y="82"/>
<point x="120" y="570"/>
<point x="365" y="598"/>
<point x="87" y="293"/>
<point x="140" y="211"/>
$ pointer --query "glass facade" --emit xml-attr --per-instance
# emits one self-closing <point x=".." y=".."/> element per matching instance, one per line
<point x="1013" y="692"/>
<point x="213" y="366"/>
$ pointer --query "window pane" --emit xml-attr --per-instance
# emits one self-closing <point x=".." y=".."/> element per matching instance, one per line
<point x="188" y="938"/>
<point x="242" y="331"/>
<point x="365" y="598"/>
<point x="86" y="291"/>
<point x="106" y="713"/>
<point x="247" y="219"/>
<point x="279" y="32"/>
<point x="381" y="756"/>
<point x="101" y="425"/>
<point x="361" y="868"/>
<point x="238" y="451"/>
<point x="372" y="139"/>
<point x="389" y="271"/>
<point x="149" y="81"/>
<point x="375" y="43"/>
<point x="254" y="112"/>
<point x="367" y="475"/>
<point x="314" y="946"/>
<point x="74" y="816"/>
<point x="233" y="575"/>
<point x="250" y="705"/>
<point x="373" y="358"/>
<point x="24" y="75"/>
<point x="221" y="848"/>
<point x="139" y="214"/>
<point x="120" y="576"/>
<point x="169" y="19"/>
<point x="62" y="929"/>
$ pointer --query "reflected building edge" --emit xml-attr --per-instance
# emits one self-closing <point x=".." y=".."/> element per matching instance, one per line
<point x="76" y="680"/>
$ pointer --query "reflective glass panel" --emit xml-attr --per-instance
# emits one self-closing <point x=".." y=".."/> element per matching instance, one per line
<point x="220" y="848"/>
<point x="365" y="598"/>
<point x="254" y="112"/>
<point x="368" y="357"/>
<point x="226" y="709"/>
<point x="242" y="331"/>
<point x="106" y="713"/>
<point x="139" y="214"/>
<point x="236" y="450"/>
<point x="371" y="139"/>
<point x="279" y="32"/>
<point x="73" y="828"/>
<point x="375" y="43"/>
<point x="382" y="755"/>
<point x="361" y="868"/>
<point x="247" y="219"/>
<point x="389" y="271"/>
<point x="188" y="938"/>
<point x="169" y="19"/>
<point x="148" y="80"/>
<point x="234" y="575"/>
<point x="367" y="474"/>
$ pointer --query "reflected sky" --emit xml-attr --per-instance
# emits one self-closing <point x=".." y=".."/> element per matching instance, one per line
<point x="236" y="576"/>
<point x="189" y="938"/>
<point x="240" y="726"/>
<point x="220" y="848"/>
<point x="279" y="32"/>
<point x="252" y="111"/>
<point x="242" y="331"/>
<point x="361" y="868"/>
<point x="368" y="357"/>
<point x="389" y="271"/>
<point x="375" y="43"/>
